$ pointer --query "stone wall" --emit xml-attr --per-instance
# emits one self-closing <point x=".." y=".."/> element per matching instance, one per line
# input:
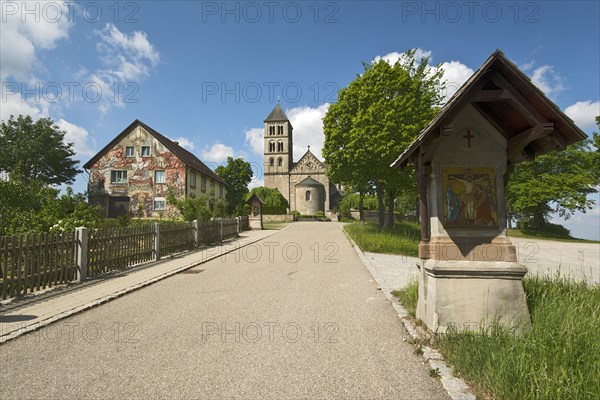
<point x="278" y="218"/>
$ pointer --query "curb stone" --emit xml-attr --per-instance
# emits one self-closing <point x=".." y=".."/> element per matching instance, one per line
<point x="75" y="310"/>
<point x="456" y="388"/>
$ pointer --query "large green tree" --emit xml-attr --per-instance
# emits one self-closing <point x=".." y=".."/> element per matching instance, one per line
<point x="36" y="151"/>
<point x="375" y="118"/>
<point x="559" y="182"/>
<point x="238" y="174"/>
<point x="270" y="197"/>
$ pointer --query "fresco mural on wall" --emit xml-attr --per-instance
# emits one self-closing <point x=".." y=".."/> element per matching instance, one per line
<point x="140" y="187"/>
<point x="469" y="195"/>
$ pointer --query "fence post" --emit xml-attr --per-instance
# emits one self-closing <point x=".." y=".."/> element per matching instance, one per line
<point x="196" y="233"/>
<point x="221" y="228"/>
<point x="156" y="249"/>
<point x="81" y="250"/>
<point x="237" y="219"/>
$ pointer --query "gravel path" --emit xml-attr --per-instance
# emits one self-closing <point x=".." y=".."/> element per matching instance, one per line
<point x="296" y="315"/>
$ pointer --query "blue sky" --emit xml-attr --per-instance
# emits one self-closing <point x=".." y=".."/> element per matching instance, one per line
<point x="207" y="73"/>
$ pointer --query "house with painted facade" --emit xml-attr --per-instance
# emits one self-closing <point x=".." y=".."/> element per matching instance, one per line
<point x="133" y="172"/>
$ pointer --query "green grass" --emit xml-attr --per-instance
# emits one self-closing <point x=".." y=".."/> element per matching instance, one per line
<point x="557" y="358"/>
<point x="403" y="239"/>
<point x="275" y="225"/>
<point x="408" y="297"/>
<point x="529" y="234"/>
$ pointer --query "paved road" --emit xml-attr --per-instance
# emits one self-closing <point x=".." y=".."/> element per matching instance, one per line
<point x="580" y="261"/>
<point x="296" y="315"/>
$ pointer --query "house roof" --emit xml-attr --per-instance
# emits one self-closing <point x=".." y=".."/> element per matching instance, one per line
<point x="506" y="97"/>
<point x="277" y="114"/>
<point x="184" y="155"/>
<point x="254" y="196"/>
<point x="309" y="182"/>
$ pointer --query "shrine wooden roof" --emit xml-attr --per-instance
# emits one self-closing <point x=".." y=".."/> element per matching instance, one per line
<point x="519" y="110"/>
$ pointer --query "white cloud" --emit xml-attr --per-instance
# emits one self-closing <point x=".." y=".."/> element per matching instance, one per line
<point x="393" y="57"/>
<point x="547" y="80"/>
<point x="185" y="143"/>
<point x="23" y="34"/>
<point x="455" y="74"/>
<point x="256" y="183"/>
<point x="308" y="129"/>
<point x="79" y="137"/>
<point x="128" y="59"/>
<point x="584" y="114"/>
<point x="217" y="153"/>
<point x="254" y="140"/>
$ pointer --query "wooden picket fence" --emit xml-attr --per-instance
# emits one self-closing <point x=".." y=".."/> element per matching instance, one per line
<point x="112" y="249"/>
<point x="35" y="262"/>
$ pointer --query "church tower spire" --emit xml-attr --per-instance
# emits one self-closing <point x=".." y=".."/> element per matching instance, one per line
<point x="278" y="144"/>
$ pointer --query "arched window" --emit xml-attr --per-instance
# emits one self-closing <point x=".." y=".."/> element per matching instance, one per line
<point x="271" y="130"/>
<point x="308" y="195"/>
<point x="271" y="162"/>
<point x="271" y="146"/>
<point x="280" y="161"/>
<point x="280" y="130"/>
<point x="280" y="145"/>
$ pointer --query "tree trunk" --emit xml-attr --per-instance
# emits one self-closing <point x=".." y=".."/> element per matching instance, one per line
<point x="380" y="204"/>
<point x="538" y="219"/>
<point x="361" y="215"/>
<point x="391" y="222"/>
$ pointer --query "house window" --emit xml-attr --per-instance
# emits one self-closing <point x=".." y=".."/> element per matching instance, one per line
<point x="280" y="130"/>
<point x="192" y="179"/>
<point x="160" y="204"/>
<point x="203" y="184"/>
<point x="118" y="176"/>
<point x="271" y="130"/>
<point x="220" y="191"/>
<point x="307" y="195"/>
<point x="271" y="146"/>
<point x="280" y="145"/>
<point x="160" y="176"/>
<point x="280" y="161"/>
<point x="129" y="151"/>
<point x="145" y="151"/>
<point x="271" y="162"/>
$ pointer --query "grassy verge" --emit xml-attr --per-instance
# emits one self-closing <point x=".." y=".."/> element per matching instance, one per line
<point x="558" y="358"/>
<point x="403" y="239"/>
<point x="528" y="234"/>
<point x="275" y="225"/>
<point x="408" y="297"/>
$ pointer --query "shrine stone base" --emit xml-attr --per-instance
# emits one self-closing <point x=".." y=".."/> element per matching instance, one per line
<point x="471" y="294"/>
<point x="256" y="223"/>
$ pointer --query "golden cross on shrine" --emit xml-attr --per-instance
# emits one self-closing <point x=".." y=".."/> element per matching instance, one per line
<point x="468" y="136"/>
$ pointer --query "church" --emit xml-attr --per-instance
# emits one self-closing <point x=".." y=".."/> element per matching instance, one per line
<point x="304" y="183"/>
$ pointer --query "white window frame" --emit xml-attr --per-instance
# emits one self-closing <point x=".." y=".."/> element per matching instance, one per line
<point x="149" y="151"/>
<point x="114" y="173"/>
<point x="127" y="152"/>
<point x="160" y="200"/>
<point x="193" y="179"/>
<point x="164" y="180"/>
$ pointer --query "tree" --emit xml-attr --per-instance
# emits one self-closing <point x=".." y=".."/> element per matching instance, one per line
<point x="270" y="197"/>
<point x="559" y="181"/>
<point x="33" y="206"/>
<point x="237" y="174"/>
<point x="36" y="151"/>
<point x="375" y="118"/>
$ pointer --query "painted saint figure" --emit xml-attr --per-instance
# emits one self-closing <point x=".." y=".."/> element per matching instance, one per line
<point x="452" y="204"/>
<point x="469" y="197"/>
